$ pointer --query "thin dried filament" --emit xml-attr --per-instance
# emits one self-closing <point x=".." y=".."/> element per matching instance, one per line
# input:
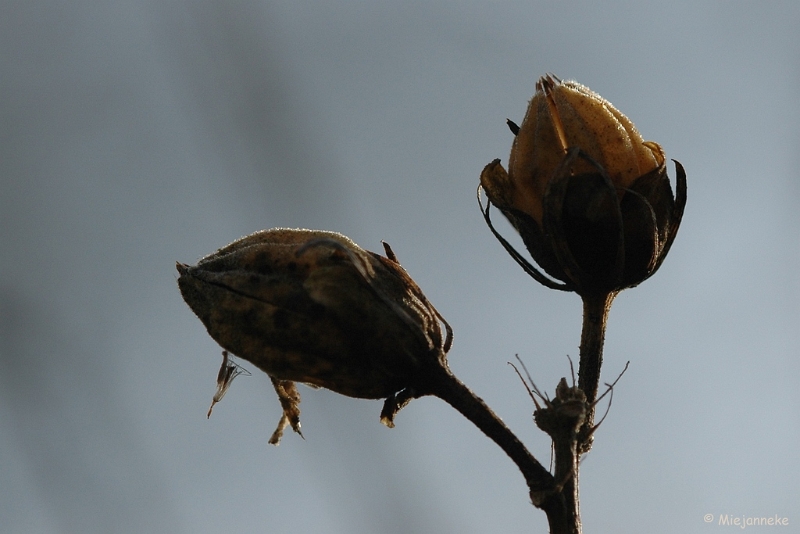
<point x="227" y="372"/>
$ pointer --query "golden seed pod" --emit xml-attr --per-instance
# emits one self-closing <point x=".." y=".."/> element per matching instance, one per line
<point x="590" y="198"/>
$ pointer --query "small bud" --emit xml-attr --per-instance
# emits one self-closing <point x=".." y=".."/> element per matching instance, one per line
<point x="590" y="198"/>
<point x="313" y="307"/>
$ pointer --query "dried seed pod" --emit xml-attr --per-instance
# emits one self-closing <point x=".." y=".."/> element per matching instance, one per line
<point x="313" y="307"/>
<point x="591" y="200"/>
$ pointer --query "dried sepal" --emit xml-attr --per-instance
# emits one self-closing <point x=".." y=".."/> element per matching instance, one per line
<point x="394" y="404"/>
<point x="583" y="223"/>
<point x="526" y="228"/>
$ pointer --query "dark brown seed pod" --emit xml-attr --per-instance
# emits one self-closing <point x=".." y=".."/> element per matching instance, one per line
<point x="313" y="307"/>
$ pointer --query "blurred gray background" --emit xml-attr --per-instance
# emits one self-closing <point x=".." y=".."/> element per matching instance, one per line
<point x="135" y="134"/>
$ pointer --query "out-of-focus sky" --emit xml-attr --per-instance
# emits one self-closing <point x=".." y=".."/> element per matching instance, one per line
<point x="135" y="134"/>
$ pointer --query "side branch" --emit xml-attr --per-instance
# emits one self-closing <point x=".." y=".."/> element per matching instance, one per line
<point x="441" y="383"/>
<point x="556" y="496"/>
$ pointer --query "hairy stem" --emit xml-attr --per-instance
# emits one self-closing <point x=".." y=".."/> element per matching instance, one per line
<point x="558" y="499"/>
<point x="443" y="384"/>
<point x="595" y="317"/>
<point x="566" y="463"/>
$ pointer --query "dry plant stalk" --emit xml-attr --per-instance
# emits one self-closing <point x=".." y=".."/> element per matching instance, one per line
<point x="595" y="209"/>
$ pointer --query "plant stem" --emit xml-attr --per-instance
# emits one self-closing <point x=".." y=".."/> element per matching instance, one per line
<point x="557" y="498"/>
<point x="595" y="317"/>
<point x="567" y="470"/>
<point x="443" y="384"/>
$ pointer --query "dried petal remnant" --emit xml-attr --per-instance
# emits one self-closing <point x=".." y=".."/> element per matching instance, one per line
<point x="290" y="402"/>
<point x="227" y="372"/>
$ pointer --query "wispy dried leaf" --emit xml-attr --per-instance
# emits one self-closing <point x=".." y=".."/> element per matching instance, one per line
<point x="227" y="372"/>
